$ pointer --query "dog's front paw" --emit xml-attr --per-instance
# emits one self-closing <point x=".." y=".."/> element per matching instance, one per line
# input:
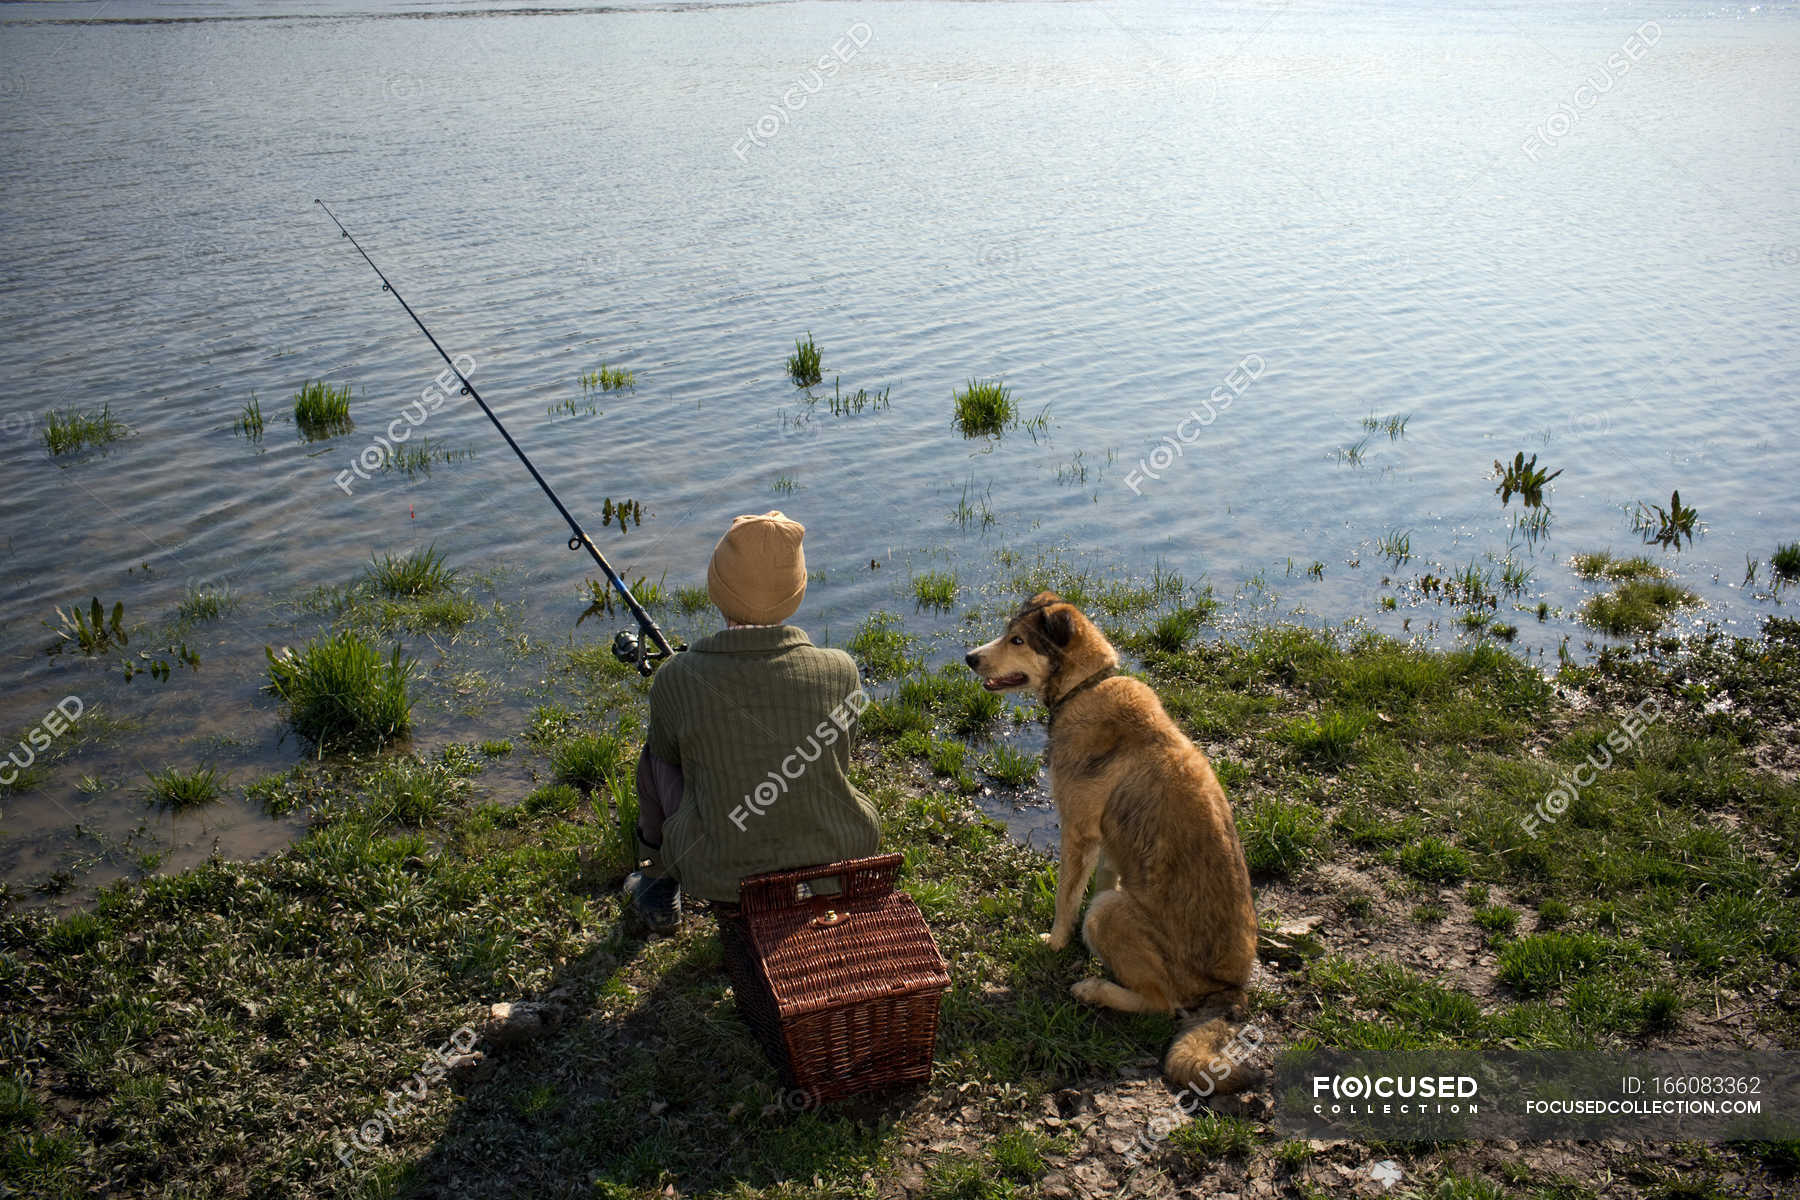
<point x="1055" y="939"/>
<point x="1087" y="990"/>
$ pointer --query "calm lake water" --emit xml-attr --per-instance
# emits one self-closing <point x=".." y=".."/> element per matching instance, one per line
<point x="1560" y="229"/>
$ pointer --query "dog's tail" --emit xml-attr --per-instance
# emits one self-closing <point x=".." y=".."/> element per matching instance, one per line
<point x="1208" y="1054"/>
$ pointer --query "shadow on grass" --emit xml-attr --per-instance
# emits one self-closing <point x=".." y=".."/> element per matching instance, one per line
<point x="638" y="1088"/>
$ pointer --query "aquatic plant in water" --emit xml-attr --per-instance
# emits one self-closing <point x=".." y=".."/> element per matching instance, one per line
<point x="979" y="509"/>
<point x="1524" y="477"/>
<point x="178" y="791"/>
<point x="71" y="429"/>
<point x="207" y="603"/>
<point x="607" y="379"/>
<point x="321" y="410"/>
<point x="803" y="363"/>
<point x="626" y="512"/>
<point x="89" y="630"/>
<point x="935" y="589"/>
<point x="341" y="694"/>
<point x="1636" y="606"/>
<point x="1665" y="526"/>
<point x="250" y="421"/>
<point x="985" y="409"/>
<point x="418" y="574"/>
<point x="1785" y="562"/>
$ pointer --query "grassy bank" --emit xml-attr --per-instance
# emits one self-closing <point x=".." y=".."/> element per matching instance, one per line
<point x="267" y="1029"/>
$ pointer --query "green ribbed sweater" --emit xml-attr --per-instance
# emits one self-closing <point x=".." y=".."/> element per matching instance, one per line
<point x="759" y="722"/>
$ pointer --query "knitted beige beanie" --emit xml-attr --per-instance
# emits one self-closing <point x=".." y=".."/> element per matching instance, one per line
<point x="758" y="570"/>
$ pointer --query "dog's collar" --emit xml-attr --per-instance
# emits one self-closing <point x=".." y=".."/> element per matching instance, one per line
<point x="1100" y="676"/>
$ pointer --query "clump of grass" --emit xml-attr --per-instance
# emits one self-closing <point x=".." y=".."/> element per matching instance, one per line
<point x="1541" y="962"/>
<point x="1011" y="767"/>
<point x="587" y="760"/>
<point x="1353" y="454"/>
<point x="935" y="589"/>
<point x="951" y="759"/>
<point x="1497" y="919"/>
<point x="558" y="798"/>
<point x="250" y="421"/>
<point x="1785" y="562"/>
<point x="985" y="409"/>
<point x="1665" y="526"/>
<point x="1213" y="1135"/>
<point x="1637" y="606"/>
<point x="421" y="573"/>
<point x="1173" y="630"/>
<point x="72" y="429"/>
<point x="176" y="790"/>
<point x="692" y="599"/>
<point x="785" y="483"/>
<point x="803" y="363"/>
<point x="495" y="748"/>
<point x="1604" y="564"/>
<point x="1434" y="860"/>
<point x="1018" y="1154"/>
<point x="1525" y="477"/>
<point x="1395" y="545"/>
<point x="341" y="694"/>
<point x="1280" y="836"/>
<point x="881" y="648"/>
<point x="207" y="603"/>
<point x="405" y="792"/>
<point x="321" y="410"/>
<point x="1329" y="738"/>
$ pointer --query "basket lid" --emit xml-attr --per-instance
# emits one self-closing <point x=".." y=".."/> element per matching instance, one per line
<point x="831" y="951"/>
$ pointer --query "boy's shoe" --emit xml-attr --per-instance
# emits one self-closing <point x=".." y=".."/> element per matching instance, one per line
<point x="656" y="899"/>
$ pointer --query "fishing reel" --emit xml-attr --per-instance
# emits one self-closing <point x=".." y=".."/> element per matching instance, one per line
<point x="634" y="651"/>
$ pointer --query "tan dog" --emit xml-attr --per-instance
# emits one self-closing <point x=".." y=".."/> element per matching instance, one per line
<point x="1172" y="917"/>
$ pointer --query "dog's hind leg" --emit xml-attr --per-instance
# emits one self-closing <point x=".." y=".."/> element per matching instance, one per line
<point x="1117" y="931"/>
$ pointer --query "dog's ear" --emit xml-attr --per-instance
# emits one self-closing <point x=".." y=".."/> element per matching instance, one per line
<point x="1038" y="602"/>
<point x="1059" y="624"/>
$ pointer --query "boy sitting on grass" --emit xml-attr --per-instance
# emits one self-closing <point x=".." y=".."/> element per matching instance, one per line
<point x="745" y="766"/>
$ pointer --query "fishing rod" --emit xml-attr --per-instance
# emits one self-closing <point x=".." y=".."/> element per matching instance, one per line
<point x="627" y="647"/>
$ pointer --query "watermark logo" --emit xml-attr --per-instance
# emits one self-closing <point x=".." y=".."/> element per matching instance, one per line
<point x="1619" y="63"/>
<point x="376" y="1130"/>
<point x="1240" y="377"/>
<point x="1624" y="737"/>
<point x="447" y="383"/>
<point x="1187" y="1101"/>
<point x="781" y="113"/>
<point x="1387" y="1094"/>
<point x="38" y="738"/>
<point x="768" y="791"/>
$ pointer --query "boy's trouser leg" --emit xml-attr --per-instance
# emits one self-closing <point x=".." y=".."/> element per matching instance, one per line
<point x="659" y="795"/>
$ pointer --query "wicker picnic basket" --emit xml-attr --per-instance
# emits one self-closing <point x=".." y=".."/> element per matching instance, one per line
<point x="841" y="990"/>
